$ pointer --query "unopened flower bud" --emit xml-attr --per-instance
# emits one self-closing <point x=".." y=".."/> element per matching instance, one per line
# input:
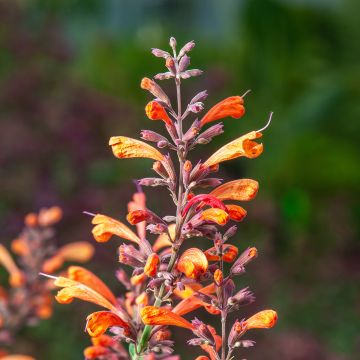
<point x="218" y="277"/>
<point x="186" y="48"/>
<point x="159" y="168"/>
<point x="152" y="136"/>
<point x="230" y="233"/>
<point x="170" y="64"/>
<point x="164" y="76"/>
<point x="201" y="96"/>
<point x="162" y="144"/>
<point x="172" y="42"/>
<point x="184" y="63"/>
<point x="210" y="133"/>
<point x="152" y="182"/>
<point x="190" y="73"/>
<point x="209" y="182"/>
<point x="160" y="53"/>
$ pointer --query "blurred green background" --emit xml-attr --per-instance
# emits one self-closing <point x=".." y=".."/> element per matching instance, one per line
<point x="69" y="79"/>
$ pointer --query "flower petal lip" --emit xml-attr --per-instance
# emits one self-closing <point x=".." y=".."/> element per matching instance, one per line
<point x="126" y="148"/>
<point x="192" y="263"/>
<point x="152" y="315"/>
<point x="106" y="227"/>
<point x="264" y="319"/>
<point x="236" y="212"/>
<point x="89" y="279"/>
<point x="230" y="253"/>
<point x="242" y="146"/>
<point x="154" y="111"/>
<point x="240" y="190"/>
<point x="215" y="215"/>
<point x="98" y="322"/>
<point x="232" y="106"/>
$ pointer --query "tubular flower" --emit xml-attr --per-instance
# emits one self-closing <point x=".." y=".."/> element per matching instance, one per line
<point x="155" y="111"/>
<point x="232" y="106"/>
<point x="80" y="251"/>
<point x="241" y="190"/>
<point x="192" y="263"/>
<point x="17" y="357"/>
<point x="236" y="213"/>
<point x="98" y="322"/>
<point x="243" y="146"/>
<point x="106" y="227"/>
<point x="230" y="252"/>
<point x="49" y="216"/>
<point x="20" y="247"/>
<point x="86" y="277"/>
<point x="139" y="203"/>
<point x="215" y="215"/>
<point x="152" y="315"/>
<point x="95" y="352"/>
<point x="155" y="89"/>
<point x="262" y="320"/>
<point x="151" y="265"/>
<point x="218" y="277"/>
<point x="16" y="276"/>
<point x="126" y="148"/>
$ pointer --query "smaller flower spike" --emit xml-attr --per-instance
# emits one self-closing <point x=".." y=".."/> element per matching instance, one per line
<point x="152" y="315"/>
<point x="243" y="146"/>
<point x="156" y="111"/>
<point x="126" y="148"/>
<point x="232" y="106"/>
<point x="192" y="263"/>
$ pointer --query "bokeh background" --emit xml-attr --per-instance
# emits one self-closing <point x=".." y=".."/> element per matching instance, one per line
<point x="69" y="79"/>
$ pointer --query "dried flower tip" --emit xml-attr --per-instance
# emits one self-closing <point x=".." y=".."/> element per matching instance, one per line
<point x="160" y="53"/>
<point x="196" y="107"/>
<point x="232" y="106"/>
<point x="248" y="255"/>
<point x="154" y="89"/>
<point x="262" y="320"/>
<point x="243" y="146"/>
<point x="192" y="263"/>
<point x="218" y="277"/>
<point x="152" y="315"/>
<point x="186" y="48"/>
<point x="150" y="268"/>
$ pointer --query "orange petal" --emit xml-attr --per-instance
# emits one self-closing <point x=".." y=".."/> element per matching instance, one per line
<point x="139" y="203"/>
<point x="215" y="215"/>
<point x="98" y="322"/>
<point x="150" y="268"/>
<point x="20" y="247"/>
<point x="155" y="111"/>
<point x="232" y="106"/>
<point x="137" y="279"/>
<point x="102" y="340"/>
<point x="241" y="190"/>
<point x="152" y="315"/>
<point x="192" y="263"/>
<point x="16" y="278"/>
<point x="243" y="146"/>
<point x="73" y="289"/>
<point x="218" y="277"/>
<point x="17" y="357"/>
<point x="79" y="251"/>
<point x="236" y="212"/>
<point x="126" y="148"/>
<point x="262" y="320"/>
<point x="89" y="279"/>
<point x="52" y="264"/>
<point x="202" y="358"/>
<point x="230" y="252"/>
<point x="49" y="216"/>
<point x="31" y="220"/>
<point x="95" y="352"/>
<point x="106" y="227"/>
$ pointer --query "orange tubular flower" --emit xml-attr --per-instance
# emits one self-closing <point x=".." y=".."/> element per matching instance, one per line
<point x="192" y="263"/>
<point x="98" y="322"/>
<point x="152" y="315"/>
<point x="20" y="247"/>
<point x="241" y="190"/>
<point x="232" y="106"/>
<point x="230" y="252"/>
<point x="150" y="268"/>
<point x="236" y="213"/>
<point x="49" y="216"/>
<point x="127" y="148"/>
<point x="139" y="203"/>
<point x="262" y="320"/>
<point x="17" y="357"/>
<point x="16" y="276"/>
<point x="106" y="227"/>
<point x="155" y="111"/>
<point x="137" y="216"/>
<point x="94" y="352"/>
<point x="102" y="340"/>
<point x="86" y="277"/>
<point x="218" y="277"/>
<point x="243" y="146"/>
<point x="215" y="215"/>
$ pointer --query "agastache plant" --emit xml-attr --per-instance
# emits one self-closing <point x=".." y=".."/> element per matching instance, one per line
<point x="162" y="271"/>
